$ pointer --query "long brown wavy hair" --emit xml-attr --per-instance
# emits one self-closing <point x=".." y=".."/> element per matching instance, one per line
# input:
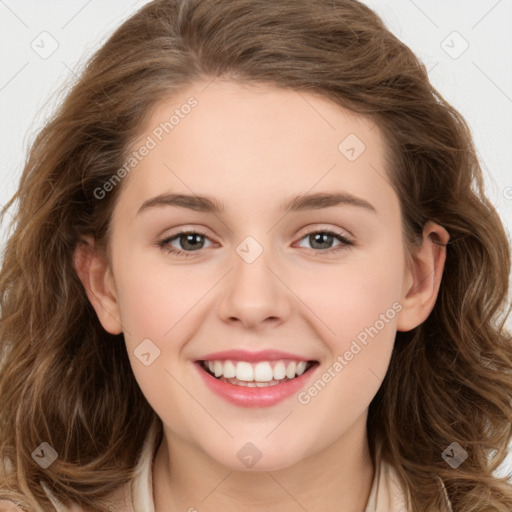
<point x="63" y="375"/>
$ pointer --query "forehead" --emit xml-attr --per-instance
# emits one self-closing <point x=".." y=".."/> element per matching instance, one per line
<point x="242" y="143"/>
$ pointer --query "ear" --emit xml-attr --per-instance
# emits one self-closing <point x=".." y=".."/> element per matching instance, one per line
<point x="96" y="276"/>
<point x="423" y="277"/>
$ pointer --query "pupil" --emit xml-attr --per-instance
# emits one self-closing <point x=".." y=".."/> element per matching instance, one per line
<point x="191" y="240"/>
<point x="320" y="236"/>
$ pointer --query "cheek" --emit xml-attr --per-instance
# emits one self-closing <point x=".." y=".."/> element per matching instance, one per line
<point x="358" y="325"/>
<point x="155" y="305"/>
<point x="153" y="300"/>
<point x="356" y="298"/>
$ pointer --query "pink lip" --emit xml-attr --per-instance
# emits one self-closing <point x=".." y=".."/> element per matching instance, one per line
<point x="243" y="396"/>
<point x="244" y="355"/>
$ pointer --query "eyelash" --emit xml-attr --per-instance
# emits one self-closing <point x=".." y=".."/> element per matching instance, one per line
<point x="164" y="244"/>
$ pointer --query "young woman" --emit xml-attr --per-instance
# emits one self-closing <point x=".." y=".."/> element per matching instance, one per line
<point x="253" y="268"/>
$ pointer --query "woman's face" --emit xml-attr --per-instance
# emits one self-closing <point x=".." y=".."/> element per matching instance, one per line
<point x="269" y="284"/>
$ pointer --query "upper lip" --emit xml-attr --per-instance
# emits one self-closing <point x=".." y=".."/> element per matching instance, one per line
<point x="245" y="355"/>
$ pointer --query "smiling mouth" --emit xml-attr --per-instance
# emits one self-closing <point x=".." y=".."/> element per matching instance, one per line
<point x="261" y="374"/>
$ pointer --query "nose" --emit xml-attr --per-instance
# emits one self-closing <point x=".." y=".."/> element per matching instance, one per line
<point x="254" y="294"/>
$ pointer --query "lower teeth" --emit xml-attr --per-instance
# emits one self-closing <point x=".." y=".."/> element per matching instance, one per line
<point x="252" y="384"/>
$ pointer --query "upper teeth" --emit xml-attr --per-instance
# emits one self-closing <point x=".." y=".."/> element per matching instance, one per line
<point x="260" y="372"/>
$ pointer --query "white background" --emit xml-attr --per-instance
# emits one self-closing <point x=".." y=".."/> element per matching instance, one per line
<point x="478" y="82"/>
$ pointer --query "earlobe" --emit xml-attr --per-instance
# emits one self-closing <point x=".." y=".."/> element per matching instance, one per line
<point x="423" y="278"/>
<point x="96" y="277"/>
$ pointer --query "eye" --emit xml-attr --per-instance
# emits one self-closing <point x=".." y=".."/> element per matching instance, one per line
<point x="326" y="238"/>
<point x="188" y="240"/>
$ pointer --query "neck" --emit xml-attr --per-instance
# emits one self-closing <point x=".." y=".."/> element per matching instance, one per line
<point x="341" y="474"/>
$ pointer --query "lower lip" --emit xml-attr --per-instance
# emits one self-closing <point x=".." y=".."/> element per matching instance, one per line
<point x="243" y="396"/>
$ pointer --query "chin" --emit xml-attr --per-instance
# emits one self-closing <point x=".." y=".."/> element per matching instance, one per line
<point x="249" y="457"/>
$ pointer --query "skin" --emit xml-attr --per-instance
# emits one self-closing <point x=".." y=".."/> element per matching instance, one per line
<point x="251" y="148"/>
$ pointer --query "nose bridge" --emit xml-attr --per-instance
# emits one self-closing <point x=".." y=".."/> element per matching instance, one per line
<point x="252" y="263"/>
<point x="254" y="293"/>
<point x="250" y="249"/>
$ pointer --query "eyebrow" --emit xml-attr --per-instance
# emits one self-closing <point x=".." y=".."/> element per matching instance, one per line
<point x="298" y="203"/>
